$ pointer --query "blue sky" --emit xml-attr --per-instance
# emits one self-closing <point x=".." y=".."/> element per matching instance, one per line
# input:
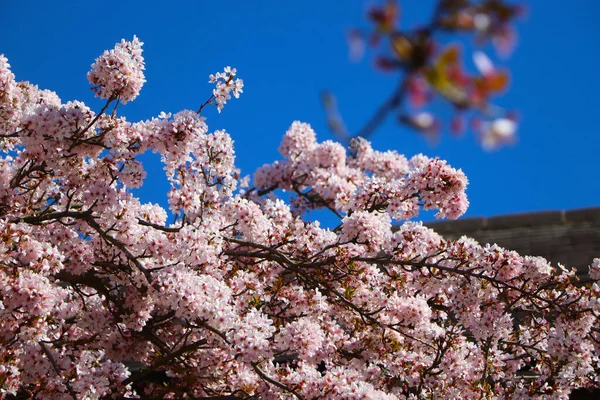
<point x="287" y="52"/>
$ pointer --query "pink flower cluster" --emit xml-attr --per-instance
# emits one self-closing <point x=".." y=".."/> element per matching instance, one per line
<point x="241" y="296"/>
<point x="226" y="84"/>
<point x="323" y="175"/>
<point x="119" y="73"/>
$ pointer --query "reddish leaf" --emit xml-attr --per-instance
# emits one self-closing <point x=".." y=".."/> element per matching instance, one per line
<point x="458" y="125"/>
<point x="402" y="47"/>
<point x="497" y="81"/>
<point x="450" y="56"/>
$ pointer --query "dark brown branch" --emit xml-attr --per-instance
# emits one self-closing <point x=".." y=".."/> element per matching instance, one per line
<point x="382" y="112"/>
<point x="273" y="381"/>
<point x="164" y="360"/>
<point x="161" y="227"/>
<point x="57" y="369"/>
<point x="110" y="100"/>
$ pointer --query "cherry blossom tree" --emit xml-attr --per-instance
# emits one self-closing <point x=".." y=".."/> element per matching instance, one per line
<point x="240" y="297"/>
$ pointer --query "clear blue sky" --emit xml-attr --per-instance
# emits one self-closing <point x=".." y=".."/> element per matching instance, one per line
<point x="286" y="52"/>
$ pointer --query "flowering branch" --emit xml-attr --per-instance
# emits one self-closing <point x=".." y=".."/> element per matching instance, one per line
<point x="427" y="72"/>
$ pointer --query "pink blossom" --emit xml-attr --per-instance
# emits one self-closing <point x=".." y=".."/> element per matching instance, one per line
<point x="119" y="72"/>
<point x="367" y="229"/>
<point x="226" y="84"/>
<point x="300" y="137"/>
<point x="595" y="269"/>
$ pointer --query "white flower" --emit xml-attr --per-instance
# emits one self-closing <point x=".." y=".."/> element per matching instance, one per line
<point x="424" y="120"/>
<point x="225" y="85"/>
<point x="498" y="132"/>
<point x="483" y="63"/>
<point x="504" y="127"/>
<point x="481" y="22"/>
